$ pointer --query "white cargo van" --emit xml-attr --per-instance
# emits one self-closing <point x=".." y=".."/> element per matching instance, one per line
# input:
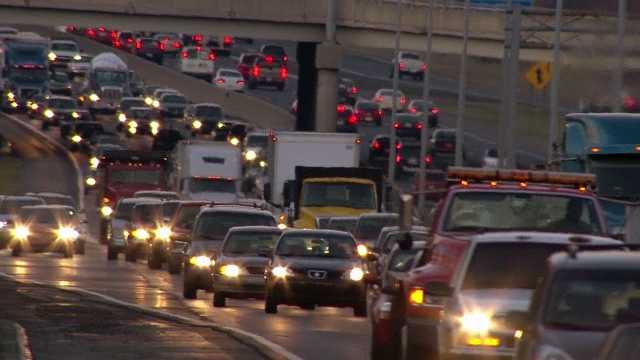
<point x="198" y="61"/>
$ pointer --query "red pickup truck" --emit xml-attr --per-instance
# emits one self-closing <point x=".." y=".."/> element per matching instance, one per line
<point x="485" y="200"/>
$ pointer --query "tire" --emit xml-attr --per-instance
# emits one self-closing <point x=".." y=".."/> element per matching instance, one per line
<point x="68" y="252"/>
<point x="153" y="260"/>
<point x="189" y="292"/>
<point x="111" y="254"/>
<point x="79" y="247"/>
<point x="219" y="300"/>
<point x="131" y="255"/>
<point x="360" y="309"/>
<point x="16" y="250"/>
<point x="174" y="267"/>
<point x="208" y="78"/>
<point x="377" y="352"/>
<point x="270" y="304"/>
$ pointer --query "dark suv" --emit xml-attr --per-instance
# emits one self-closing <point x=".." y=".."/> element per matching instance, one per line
<point x="276" y="51"/>
<point x="210" y="228"/>
<point x="245" y="63"/>
<point x="268" y="71"/>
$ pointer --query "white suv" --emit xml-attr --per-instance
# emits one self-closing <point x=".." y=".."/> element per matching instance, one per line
<point x="198" y="62"/>
<point x="409" y="64"/>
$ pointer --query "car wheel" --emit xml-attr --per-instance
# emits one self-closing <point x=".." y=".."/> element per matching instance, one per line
<point x="112" y="254"/>
<point x="360" y="309"/>
<point x="270" y="304"/>
<point x="80" y="245"/>
<point x="68" y="251"/>
<point x="188" y="291"/>
<point x="154" y="261"/>
<point x="159" y="61"/>
<point x="131" y="254"/>
<point x="377" y="350"/>
<point x="174" y="267"/>
<point x="16" y="250"/>
<point x="219" y="300"/>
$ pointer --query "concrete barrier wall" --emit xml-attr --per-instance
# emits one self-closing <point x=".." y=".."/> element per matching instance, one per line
<point x="235" y="104"/>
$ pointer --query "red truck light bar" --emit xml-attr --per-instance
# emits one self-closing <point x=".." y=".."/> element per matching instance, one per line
<point x="132" y="157"/>
<point x="521" y="176"/>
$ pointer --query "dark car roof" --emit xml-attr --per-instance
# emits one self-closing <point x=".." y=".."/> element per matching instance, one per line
<point x="255" y="228"/>
<point x="596" y="260"/>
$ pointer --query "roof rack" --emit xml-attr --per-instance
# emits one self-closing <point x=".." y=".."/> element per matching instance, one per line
<point x="522" y="176"/>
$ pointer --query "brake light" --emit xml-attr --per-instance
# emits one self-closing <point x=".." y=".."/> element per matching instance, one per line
<point x="414" y="110"/>
<point x="116" y="43"/>
<point x="419" y="126"/>
<point x="396" y="125"/>
<point x="176" y="44"/>
<point x="161" y="46"/>
<point x="113" y="34"/>
<point x="130" y="40"/>
<point x="197" y="37"/>
<point x="101" y="29"/>
<point x="354" y="90"/>
<point x="138" y="44"/>
<point x="212" y="56"/>
<point x="199" y="47"/>
<point x="72" y="28"/>
<point x="403" y="101"/>
<point x="341" y="108"/>
<point x="240" y="82"/>
<point x="428" y="159"/>
<point x="220" y="81"/>
<point x="353" y="119"/>
<point x="377" y="145"/>
<point x="434" y="111"/>
<point x="379" y="99"/>
<point x="380" y="112"/>
<point x="398" y="158"/>
<point x="269" y="59"/>
<point x="91" y="32"/>
<point x="283" y="72"/>
<point x="227" y="40"/>
<point x="185" y="54"/>
<point x="284" y="58"/>
<point x="401" y="65"/>
<point x="424" y="67"/>
<point x="256" y="71"/>
<point x="166" y="39"/>
<point x="398" y="146"/>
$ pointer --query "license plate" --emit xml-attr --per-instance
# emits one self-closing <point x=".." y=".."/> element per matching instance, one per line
<point x="369" y="118"/>
<point x="340" y="122"/>
<point x="269" y="79"/>
<point x="408" y="125"/>
<point x="201" y="65"/>
<point x="413" y="161"/>
<point x="149" y="54"/>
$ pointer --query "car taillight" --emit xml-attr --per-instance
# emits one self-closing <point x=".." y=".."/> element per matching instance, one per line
<point x="379" y="99"/>
<point x="434" y="111"/>
<point x="396" y="125"/>
<point x="256" y="71"/>
<point x="185" y="54"/>
<point x="227" y="40"/>
<point x="414" y="110"/>
<point x="166" y="40"/>
<point x="101" y="29"/>
<point x="424" y="67"/>
<point x="398" y="158"/>
<point x="212" y="56"/>
<point x="284" y="58"/>
<point x="398" y="146"/>
<point x="197" y="37"/>
<point x="341" y="108"/>
<point x="71" y="28"/>
<point x="377" y="145"/>
<point x="116" y="43"/>
<point x="380" y="112"/>
<point x="113" y="34"/>
<point x="240" y="82"/>
<point x="220" y="81"/>
<point x="353" y="119"/>
<point x="283" y="72"/>
<point x="403" y="100"/>
<point x="268" y="59"/>
<point x="401" y="65"/>
<point x="428" y="159"/>
<point x="418" y="126"/>
<point x="130" y="40"/>
<point x="161" y="46"/>
<point x="359" y="112"/>
<point x="176" y="45"/>
<point x="138" y="44"/>
<point x="91" y="33"/>
<point x="199" y="47"/>
<point x="354" y="90"/>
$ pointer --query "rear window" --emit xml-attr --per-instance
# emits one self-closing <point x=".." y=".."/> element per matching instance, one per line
<point x="410" y="56"/>
<point x="248" y="59"/>
<point x="230" y="73"/>
<point x="64" y="47"/>
<point x="367" y="106"/>
<point x="148" y="42"/>
<point x="273" y="50"/>
<point x="176" y="99"/>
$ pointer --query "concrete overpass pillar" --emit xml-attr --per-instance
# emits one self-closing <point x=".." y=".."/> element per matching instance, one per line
<point x="328" y="62"/>
<point x="307" y="84"/>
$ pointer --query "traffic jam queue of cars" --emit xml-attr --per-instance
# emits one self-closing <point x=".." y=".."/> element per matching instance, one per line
<point x="514" y="264"/>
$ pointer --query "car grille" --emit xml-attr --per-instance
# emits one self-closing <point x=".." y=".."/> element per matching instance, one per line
<point x="255" y="270"/>
<point x="111" y="94"/>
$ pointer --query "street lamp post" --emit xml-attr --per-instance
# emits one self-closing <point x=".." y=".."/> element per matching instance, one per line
<point x="425" y="112"/>
<point x="394" y="112"/>
<point x="555" y="81"/>
<point x="462" y="87"/>
<point x="619" y="72"/>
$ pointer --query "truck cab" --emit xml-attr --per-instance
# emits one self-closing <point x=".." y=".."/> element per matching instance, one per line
<point x="106" y="84"/>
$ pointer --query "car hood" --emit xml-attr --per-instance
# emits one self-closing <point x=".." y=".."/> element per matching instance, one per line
<point x="577" y="344"/>
<point x="252" y="260"/>
<point x="303" y="264"/>
<point x="499" y="301"/>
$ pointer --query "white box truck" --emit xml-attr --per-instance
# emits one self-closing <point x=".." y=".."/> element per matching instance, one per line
<point x="207" y="170"/>
<point x="290" y="149"/>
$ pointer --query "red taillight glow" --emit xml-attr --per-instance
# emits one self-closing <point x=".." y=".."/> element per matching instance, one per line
<point x="166" y="39"/>
<point x="71" y="28"/>
<point x="138" y="44"/>
<point x="185" y="54"/>
<point x="176" y="45"/>
<point x="117" y="43"/>
<point x="269" y="59"/>
<point x="197" y="37"/>
<point x="130" y="40"/>
<point x="398" y="158"/>
<point x="396" y="125"/>
<point x="256" y="71"/>
<point x="418" y="126"/>
<point x="379" y="99"/>
<point x="220" y="81"/>
<point x="101" y="29"/>
<point x="199" y="47"/>
<point x="380" y="112"/>
<point x="161" y="46"/>
<point x="354" y="90"/>
<point x="228" y="40"/>
<point x="414" y="110"/>
<point x="424" y="67"/>
<point x="91" y="32"/>
<point x="403" y="101"/>
<point x="434" y="111"/>
<point x="283" y="72"/>
<point x="240" y="82"/>
<point x="377" y="145"/>
<point x="401" y="65"/>
<point x="284" y="58"/>
<point x="212" y="56"/>
<point x="113" y="34"/>
<point x="353" y="119"/>
<point x="341" y="108"/>
<point x="428" y="159"/>
<point x="398" y="146"/>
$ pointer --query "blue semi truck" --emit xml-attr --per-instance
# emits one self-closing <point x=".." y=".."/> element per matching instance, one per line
<point x="25" y="70"/>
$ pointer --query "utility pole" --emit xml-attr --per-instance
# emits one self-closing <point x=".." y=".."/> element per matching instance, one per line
<point x="618" y="78"/>
<point x="394" y="111"/>
<point x="462" y="87"/>
<point x="426" y="111"/>
<point x="555" y="82"/>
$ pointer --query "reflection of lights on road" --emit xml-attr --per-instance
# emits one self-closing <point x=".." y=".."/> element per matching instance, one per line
<point x="64" y="283"/>
<point x="161" y="299"/>
<point x="21" y="268"/>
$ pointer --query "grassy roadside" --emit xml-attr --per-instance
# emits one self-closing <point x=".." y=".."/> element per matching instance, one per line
<point x="10" y="174"/>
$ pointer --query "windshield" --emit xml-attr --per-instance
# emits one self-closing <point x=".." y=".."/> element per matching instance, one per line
<point x="347" y="194"/>
<point x="59" y="200"/>
<point x="45" y="216"/>
<point x="12" y="206"/>
<point x="369" y="227"/>
<point x="146" y="213"/>
<point x="64" y="47"/>
<point x="29" y="75"/>
<point x="367" y="106"/>
<point x="534" y="211"/>
<point x="592" y="299"/>
<point x="174" y="99"/>
<point x="317" y="245"/>
<point x="209" y="111"/>
<point x="257" y="140"/>
<point x="145" y="114"/>
<point x="250" y="243"/>
<point x="108" y="77"/>
<point x="128" y="104"/>
<point x="348" y="225"/>
<point x="212" y="185"/>
<point x="402" y="260"/>
<point x="169" y="208"/>
<point x="215" y="224"/>
<point x="129" y="176"/>
<point x="62" y="104"/>
<point x="186" y="216"/>
<point x="626" y="345"/>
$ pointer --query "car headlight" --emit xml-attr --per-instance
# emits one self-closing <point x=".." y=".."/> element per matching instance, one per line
<point x="148" y="100"/>
<point x="234" y="141"/>
<point x="94" y="97"/>
<point x="21" y="232"/>
<point x="250" y="155"/>
<point x="282" y="226"/>
<point x="154" y="124"/>
<point x="133" y="124"/>
<point x="201" y="260"/>
<point x="48" y="113"/>
<point x="197" y="124"/>
<point x="11" y="96"/>
<point x="355" y="274"/>
<point x="91" y="182"/>
<point x="546" y="352"/>
<point x="94" y="161"/>
<point x="133" y="130"/>
<point x="122" y="117"/>
<point x="75" y="115"/>
<point x="34" y="106"/>
<point x="14" y="104"/>
<point x="66" y="233"/>
<point x="230" y="270"/>
<point x="3" y="224"/>
<point x="77" y="57"/>
<point x="475" y="323"/>
<point x="106" y="211"/>
<point x="141" y="234"/>
<point x="280" y="271"/>
<point x="163" y="233"/>
<point x="156" y="103"/>
<point x="362" y="250"/>
<point x="52" y="56"/>
<point x="76" y="138"/>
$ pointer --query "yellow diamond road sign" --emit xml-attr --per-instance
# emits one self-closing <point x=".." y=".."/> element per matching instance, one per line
<point x="539" y="75"/>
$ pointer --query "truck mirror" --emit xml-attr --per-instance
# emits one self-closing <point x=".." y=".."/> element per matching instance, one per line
<point x="267" y="192"/>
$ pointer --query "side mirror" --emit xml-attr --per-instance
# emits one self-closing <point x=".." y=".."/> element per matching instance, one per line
<point x="516" y="319"/>
<point x="406" y="242"/>
<point x="266" y="192"/>
<point x="393" y="289"/>
<point x="438" y="288"/>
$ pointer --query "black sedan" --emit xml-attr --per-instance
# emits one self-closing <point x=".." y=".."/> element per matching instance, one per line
<point x="310" y="268"/>
<point x="408" y="126"/>
<point x="239" y="269"/>
<point x="150" y="49"/>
